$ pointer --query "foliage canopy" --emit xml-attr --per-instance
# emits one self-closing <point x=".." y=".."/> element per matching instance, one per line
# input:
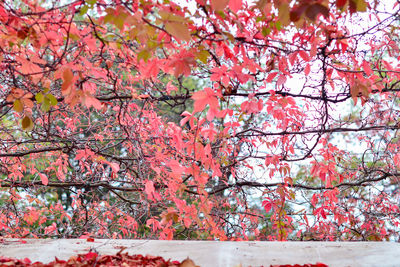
<point x="220" y="119"/>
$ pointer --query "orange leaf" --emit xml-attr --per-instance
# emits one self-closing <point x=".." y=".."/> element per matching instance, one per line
<point x="178" y="30"/>
<point x="219" y="5"/>
<point x="68" y="77"/>
<point x="188" y="263"/>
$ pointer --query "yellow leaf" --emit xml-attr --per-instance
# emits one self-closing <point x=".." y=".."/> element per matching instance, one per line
<point x="284" y="14"/>
<point x="27" y="123"/>
<point x="166" y="16"/>
<point x="18" y="107"/>
<point x="178" y="30"/>
<point x="119" y="22"/>
<point x="74" y="37"/>
<point x="39" y="97"/>
<point x="203" y="56"/>
<point x="361" y="5"/>
<point x="144" y="54"/>
<point x="219" y="5"/>
<point x="229" y="35"/>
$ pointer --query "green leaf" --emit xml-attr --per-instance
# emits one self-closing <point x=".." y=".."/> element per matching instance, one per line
<point x="278" y="25"/>
<point x="18" y="106"/>
<point x="39" y="97"/>
<point x="91" y="2"/>
<point x="46" y="104"/>
<point x="266" y="31"/>
<point x="83" y="10"/>
<point x="53" y="100"/>
<point x="229" y="36"/>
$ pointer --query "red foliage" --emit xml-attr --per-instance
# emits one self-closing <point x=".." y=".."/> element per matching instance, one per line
<point x="120" y="259"/>
<point x="299" y="265"/>
<point x="93" y="259"/>
<point x="267" y="120"/>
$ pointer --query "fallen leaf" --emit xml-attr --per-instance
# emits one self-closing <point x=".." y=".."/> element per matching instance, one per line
<point x="188" y="263"/>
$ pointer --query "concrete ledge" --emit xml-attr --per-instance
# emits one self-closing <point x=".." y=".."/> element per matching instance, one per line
<point x="214" y="253"/>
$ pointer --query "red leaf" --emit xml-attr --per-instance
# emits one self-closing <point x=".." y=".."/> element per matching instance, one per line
<point x="91" y="256"/>
<point x="297" y="12"/>
<point x="340" y="3"/>
<point x="304" y="55"/>
<point x="316" y="9"/>
<point x="271" y="77"/>
<point x="267" y="205"/>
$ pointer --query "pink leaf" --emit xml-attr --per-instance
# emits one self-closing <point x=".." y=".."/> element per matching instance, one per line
<point x="235" y="5"/>
<point x="44" y="178"/>
<point x="114" y="166"/>
<point x="149" y="189"/>
<point x="202" y="98"/>
<point x="281" y="80"/>
<point x="367" y="68"/>
<point x="307" y="69"/>
<point x="91" y="101"/>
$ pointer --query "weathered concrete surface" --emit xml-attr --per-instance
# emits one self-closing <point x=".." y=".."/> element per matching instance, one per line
<point x="213" y="253"/>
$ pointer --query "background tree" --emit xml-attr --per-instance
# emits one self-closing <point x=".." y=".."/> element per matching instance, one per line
<point x="204" y="119"/>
